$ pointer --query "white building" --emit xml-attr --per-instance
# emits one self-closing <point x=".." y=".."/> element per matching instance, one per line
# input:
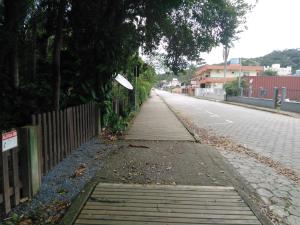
<point x="281" y="71"/>
<point x="174" y="82"/>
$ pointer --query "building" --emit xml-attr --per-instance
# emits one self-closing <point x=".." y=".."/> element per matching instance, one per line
<point x="174" y="82"/>
<point x="212" y="76"/>
<point x="281" y="71"/>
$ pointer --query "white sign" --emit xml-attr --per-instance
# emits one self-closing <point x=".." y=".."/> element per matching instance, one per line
<point x="9" y="140"/>
<point x="193" y="82"/>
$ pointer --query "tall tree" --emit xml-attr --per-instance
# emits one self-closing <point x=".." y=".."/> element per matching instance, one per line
<point x="56" y="53"/>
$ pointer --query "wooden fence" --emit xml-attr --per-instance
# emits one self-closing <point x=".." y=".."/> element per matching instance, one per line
<point x="42" y="146"/>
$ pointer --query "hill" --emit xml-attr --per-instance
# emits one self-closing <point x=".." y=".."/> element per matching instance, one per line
<point x="289" y="57"/>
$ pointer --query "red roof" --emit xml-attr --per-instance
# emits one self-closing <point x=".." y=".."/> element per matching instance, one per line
<point x="236" y="67"/>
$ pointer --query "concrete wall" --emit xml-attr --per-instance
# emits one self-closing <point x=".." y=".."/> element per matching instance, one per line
<point x="210" y="93"/>
<point x="291" y="106"/>
<point x="261" y="102"/>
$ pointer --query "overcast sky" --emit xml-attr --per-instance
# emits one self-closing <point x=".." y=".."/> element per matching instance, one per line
<point x="273" y="25"/>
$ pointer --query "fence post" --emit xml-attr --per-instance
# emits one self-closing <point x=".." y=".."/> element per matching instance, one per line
<point x="275" y="96"/>
<point x="98" y="120"/>
<point x="30" y="160"/>
<point x="283" y="95"/>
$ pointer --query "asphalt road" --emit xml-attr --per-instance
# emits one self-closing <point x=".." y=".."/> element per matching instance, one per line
<point x="272" y="135"/>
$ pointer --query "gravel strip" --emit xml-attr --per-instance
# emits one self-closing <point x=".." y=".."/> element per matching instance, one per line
<point x="63" y="183"/>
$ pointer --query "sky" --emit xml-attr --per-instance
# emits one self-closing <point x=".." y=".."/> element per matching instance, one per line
<point x="272" y="25"/>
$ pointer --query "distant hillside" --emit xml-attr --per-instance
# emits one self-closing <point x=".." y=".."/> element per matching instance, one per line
<point x="289" y="57"/>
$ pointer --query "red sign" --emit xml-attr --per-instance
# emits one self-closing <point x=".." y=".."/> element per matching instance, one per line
<point x="9" y="140"/>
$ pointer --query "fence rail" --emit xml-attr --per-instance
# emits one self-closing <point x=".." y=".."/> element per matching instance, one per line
<point x="51" y="138"/>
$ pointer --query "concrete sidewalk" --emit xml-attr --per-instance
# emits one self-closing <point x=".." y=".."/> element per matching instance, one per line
<point x="156" y="122"/>
<point x="159" y="151"/>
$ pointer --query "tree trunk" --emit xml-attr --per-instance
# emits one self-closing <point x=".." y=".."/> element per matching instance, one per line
<point x="12" y="21"/>
<point x="56" y="55"/>
<point x="34" y="56"/>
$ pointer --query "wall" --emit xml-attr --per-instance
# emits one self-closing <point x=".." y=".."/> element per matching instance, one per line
<point x="210" y="93"/>
<point x="291" y="83"/>
<point x="291" y="106"/>
<point x="268" y="103"/>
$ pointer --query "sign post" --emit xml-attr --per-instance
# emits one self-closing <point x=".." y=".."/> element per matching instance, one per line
<point x="9" y="140"/>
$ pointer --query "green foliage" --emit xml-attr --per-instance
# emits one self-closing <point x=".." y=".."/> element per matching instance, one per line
<point x="99" y="39"/>
<point x="289" y="57"/>
<point x="115" y="123"/>
<point x="270" y="73"/>
<point x="232" y="88"/>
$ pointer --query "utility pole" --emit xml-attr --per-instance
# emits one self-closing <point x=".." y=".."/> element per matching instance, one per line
<point x="225" y="57"/>
<point x="240" y="73"/>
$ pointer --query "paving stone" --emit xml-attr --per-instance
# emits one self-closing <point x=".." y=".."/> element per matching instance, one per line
<point x="279" y="211"/>
<point x="293" y="220"/>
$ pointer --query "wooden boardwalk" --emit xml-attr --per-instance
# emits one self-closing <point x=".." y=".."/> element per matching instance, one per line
<point x="133" y="204"/>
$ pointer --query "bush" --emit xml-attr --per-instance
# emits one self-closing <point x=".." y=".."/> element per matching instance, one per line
<point x="232" y="88"/>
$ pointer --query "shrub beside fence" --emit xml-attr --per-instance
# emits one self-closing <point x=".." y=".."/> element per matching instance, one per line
<point x="51" y="138"/>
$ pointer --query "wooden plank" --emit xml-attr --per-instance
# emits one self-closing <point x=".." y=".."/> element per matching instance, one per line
<point x="77" y="119"/>
<point x="241" y="207"/>
<point x="66" y="137"/>
<point x="102" y="222"/>
<point x="170" y="209"/>
<point x="51" y="142"/>
<point x="166" y="201"/>
<point x="71" y="128"/>
<point x="86" y="122"/>
<point x="169" y="219"/>
<point x="163" y="187"/>
<point x="158" y="213"/>
<point x="62" y="136"/>
<point x="45" y="144"/>
<point x="58" y="136"/>
<point x="16" y="177"/>
<point x="5" y="182"/>
<point x="164" y="193"/>
<point x="40" y="145"/>
<point x="81" y="124"/>
<point x="89" y="120"/>
<point x="166" y="198"/>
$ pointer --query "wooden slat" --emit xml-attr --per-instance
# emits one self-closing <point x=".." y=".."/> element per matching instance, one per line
<point x="51" y="143"/>
<point x="170" y="209"/>
<point x="169" y="194"/>
<point x="58" y="136"/>
<point x="62" y="136"/>
<point x="16" y="177"/>
<point x="115" y="222"/>
<point x="77" y="119"/>
<point x="241" y="207"/>
<point x="40" y="145"/>
<point x="216" y="215"/>
<point x="66" y="137"/>
<point x="5" y="181"/>
<point x="45" y="144"/>
<point x="169" y="219"/>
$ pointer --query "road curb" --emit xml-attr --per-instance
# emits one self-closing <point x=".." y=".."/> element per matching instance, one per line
<point x="194" y="135"/>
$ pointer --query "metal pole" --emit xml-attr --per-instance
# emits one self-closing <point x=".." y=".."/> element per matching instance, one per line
<point x="136" y="86"/>
<point x="240" y="73"/>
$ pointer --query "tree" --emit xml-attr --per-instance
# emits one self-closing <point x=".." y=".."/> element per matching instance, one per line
<point x="52" y="50"/>
<point x="270" y="72"/>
